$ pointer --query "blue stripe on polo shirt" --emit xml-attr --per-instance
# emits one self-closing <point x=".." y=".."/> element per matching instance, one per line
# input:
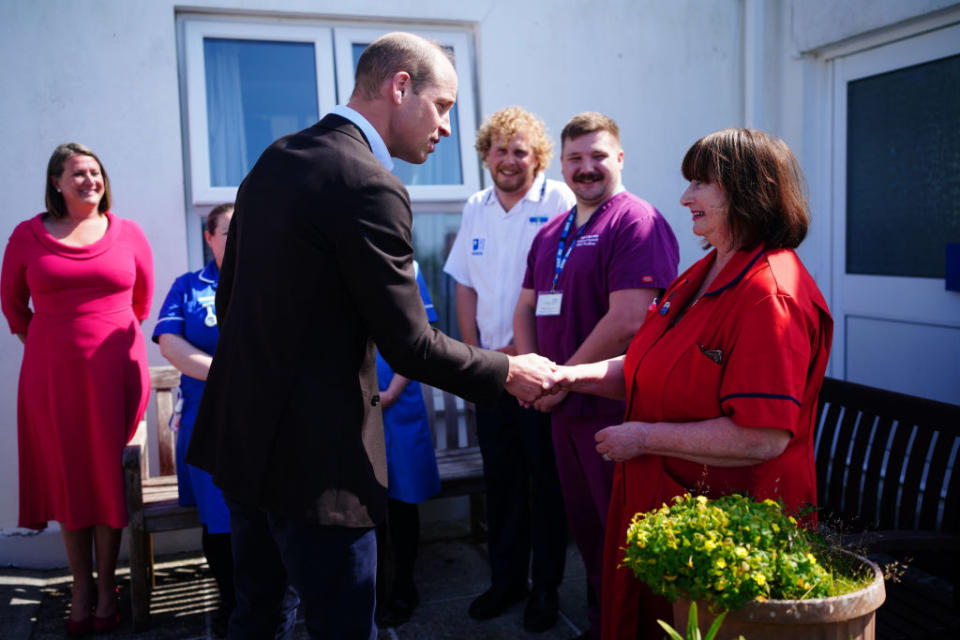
<point x="771" y="396"/>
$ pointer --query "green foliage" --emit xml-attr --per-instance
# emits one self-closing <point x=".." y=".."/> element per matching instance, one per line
<point x="693" y="627"/>
<point x="727" y="552"/>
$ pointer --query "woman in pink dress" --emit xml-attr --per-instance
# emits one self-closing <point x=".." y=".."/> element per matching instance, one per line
<point x="84" y="382"/>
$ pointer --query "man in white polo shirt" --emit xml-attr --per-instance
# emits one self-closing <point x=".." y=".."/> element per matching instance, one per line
<point x="488" y="259"/>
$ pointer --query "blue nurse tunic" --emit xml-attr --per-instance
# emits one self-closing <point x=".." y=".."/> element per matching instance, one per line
<point x="189" y="312"/>
<point x="412" y="475"/>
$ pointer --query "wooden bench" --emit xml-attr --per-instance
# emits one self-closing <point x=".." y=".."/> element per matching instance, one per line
<point x="888" y="479"/>
<point x="152" y="497"/>
<point x="453" y="422"/>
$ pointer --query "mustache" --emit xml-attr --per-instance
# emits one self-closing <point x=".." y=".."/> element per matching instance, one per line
<point x="588" y="177"/>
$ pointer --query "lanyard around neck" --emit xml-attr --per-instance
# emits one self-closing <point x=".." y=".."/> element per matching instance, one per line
<point x="561" y="260"/>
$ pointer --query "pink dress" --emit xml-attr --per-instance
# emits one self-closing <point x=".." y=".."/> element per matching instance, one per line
<point x="84" y="383"/>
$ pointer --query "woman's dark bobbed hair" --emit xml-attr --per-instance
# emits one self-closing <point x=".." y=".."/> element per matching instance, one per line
<point x="763" y="182"/>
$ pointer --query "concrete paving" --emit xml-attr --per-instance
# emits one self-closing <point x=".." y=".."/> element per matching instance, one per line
<point x="450" y="573"/>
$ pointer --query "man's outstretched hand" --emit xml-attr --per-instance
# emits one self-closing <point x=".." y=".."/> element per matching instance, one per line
<point x="529" y="377"/>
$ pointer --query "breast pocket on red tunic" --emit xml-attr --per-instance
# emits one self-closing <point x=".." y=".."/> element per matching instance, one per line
<point x="692" y="389"/>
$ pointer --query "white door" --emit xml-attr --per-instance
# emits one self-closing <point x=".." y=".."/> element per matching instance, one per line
<point x="896" y="204"/>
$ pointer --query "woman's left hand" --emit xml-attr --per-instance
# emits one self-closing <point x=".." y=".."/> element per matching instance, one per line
<point x="621" y="442"/>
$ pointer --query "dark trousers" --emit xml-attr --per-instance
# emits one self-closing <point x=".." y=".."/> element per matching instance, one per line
<point x="332" y="569"/>
<point x="216" y="549"/>
<point x="524" y="502"/>
<point x="403" y="528"/>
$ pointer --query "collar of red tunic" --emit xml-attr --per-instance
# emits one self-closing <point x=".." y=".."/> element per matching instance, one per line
<point x="734" y="271"/>
<point x="686" y="285"/>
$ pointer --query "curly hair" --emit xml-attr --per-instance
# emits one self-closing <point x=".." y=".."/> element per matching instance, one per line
<point x="764" y="184"/>
<point x="510" y="121"/>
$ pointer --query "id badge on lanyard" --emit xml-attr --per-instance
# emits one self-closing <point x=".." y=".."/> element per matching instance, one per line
<point x="550" y="302"/>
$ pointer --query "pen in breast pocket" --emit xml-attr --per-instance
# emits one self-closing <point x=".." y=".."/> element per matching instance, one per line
<point x="714" y="354"/>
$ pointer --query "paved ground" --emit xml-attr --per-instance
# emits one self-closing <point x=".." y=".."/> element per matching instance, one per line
<point x="450" y="573"/>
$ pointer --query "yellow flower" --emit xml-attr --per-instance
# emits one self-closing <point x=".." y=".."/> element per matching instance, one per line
<point x="721" y="563"/>
<point x="741" y="552"/>
<point x="759" y="578"/>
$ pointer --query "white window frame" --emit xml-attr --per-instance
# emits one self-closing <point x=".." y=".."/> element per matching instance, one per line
<point x="346" y="37"/>
<point x="196" y="28"/>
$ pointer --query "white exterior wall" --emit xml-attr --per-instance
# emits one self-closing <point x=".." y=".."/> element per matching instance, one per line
<point x="105" y="73"/>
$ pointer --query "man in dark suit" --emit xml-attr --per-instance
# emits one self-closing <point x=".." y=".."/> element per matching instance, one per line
<point x="318" y="267"/>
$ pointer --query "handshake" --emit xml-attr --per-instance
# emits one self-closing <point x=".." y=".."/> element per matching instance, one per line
<point x="532" y="379"/>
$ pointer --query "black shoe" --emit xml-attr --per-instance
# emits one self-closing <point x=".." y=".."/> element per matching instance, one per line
<point x="398" y="610"/>
<point x="540" y="613"/>
<point x="495" y="600"/>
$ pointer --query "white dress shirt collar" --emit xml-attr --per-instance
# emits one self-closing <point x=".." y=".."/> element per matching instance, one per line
<point x="377" y="145"/>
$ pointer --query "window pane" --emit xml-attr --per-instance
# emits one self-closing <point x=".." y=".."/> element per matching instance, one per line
<point x="257" y="91"/>
<point x="903" y="170"/>
<point x="433" y="235"/>
<point x="443" y="165"/>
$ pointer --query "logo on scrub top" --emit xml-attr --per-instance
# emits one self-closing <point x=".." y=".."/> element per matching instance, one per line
<point x="478" y="244"/>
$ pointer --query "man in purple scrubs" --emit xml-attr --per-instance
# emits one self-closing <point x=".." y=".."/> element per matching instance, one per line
<point x="591" y="275"/>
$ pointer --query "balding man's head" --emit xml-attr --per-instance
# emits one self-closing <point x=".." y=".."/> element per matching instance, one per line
<point x="394" y="52"/>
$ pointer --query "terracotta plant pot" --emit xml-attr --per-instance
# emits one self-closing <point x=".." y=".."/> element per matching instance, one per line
<point x="848" y="617"/>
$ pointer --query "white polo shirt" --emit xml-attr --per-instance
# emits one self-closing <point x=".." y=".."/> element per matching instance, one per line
<point x="490" y="251"/>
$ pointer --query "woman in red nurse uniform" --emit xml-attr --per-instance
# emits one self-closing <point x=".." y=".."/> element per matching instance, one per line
<point x="722" y="379"/>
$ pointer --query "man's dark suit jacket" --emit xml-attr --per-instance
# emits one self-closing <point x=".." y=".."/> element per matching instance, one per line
<point x="318" y="268"/>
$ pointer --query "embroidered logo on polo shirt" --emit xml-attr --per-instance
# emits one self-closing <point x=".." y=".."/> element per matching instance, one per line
<point x="646" y="279"/>
<point x="538" y="219"/>
<point x="589" y="240"/>
<point x="478" y="244"/>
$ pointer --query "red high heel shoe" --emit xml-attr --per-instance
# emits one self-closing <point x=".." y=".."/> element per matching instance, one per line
<point x="79" y="628"/>
<point x="106" y="624"/>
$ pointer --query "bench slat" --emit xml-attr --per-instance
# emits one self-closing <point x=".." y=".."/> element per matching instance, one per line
<point x="935" y="482"/>
<point x="166" y="439"/>
<point x="869" y="515"/>
<point x="892" y="477"/>
<point x="913" y="498"/>
<point x="855" y="476"/>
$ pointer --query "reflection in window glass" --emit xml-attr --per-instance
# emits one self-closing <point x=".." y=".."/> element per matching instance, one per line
<point x="443" y="165"/>
<point x="433" y="235"/>
<point x="257" y="91"/>
<point x="903" y="170"/>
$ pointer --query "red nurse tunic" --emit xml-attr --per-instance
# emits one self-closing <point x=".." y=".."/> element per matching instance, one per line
<point x="753" y="348"/>
<point x="84" y="382"/>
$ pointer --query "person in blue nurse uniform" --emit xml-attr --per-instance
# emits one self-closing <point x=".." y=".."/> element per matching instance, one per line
<point x="187" y="333"/>
<point x="412" y="475"/>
